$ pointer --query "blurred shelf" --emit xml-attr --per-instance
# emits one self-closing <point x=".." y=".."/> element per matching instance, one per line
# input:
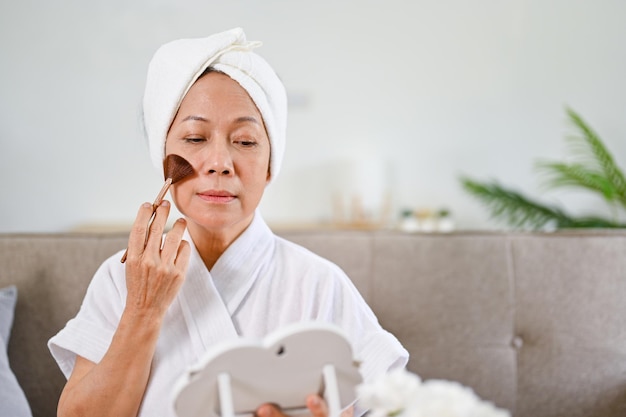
<point x="102" y="228"/>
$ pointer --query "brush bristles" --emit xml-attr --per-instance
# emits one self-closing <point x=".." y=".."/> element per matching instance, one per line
<point x="176" y="167"/>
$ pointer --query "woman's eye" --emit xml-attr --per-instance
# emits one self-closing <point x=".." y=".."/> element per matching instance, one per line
<point x="194" y="139"/>
<point x="247" y="143"/>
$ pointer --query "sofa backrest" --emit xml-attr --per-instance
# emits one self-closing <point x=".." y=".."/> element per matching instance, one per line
<point x="51" y="272"/>
<point x="531" y="321"/>
<point x="535" y="322"/>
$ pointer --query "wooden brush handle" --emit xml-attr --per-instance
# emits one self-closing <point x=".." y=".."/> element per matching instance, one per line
<point x="162" y="193"/>
<point x="156" y="203"/>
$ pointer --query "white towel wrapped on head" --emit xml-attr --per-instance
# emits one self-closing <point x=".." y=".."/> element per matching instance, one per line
<point x="177" y="65"/>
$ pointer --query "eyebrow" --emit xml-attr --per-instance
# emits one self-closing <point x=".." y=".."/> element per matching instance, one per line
<point x="243" y="119"/>
<point x="199" y="118"/>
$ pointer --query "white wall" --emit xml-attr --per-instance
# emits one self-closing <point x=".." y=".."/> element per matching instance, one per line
<point x="424" y="90"/>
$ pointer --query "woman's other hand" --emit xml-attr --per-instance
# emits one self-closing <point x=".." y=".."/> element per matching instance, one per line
<point x="155" y="268"/>
<point x="316" y="405"/>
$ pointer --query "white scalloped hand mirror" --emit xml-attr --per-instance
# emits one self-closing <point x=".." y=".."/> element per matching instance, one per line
<point x="235" y="378"/>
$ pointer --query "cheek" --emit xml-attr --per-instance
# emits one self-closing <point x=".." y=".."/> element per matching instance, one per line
<point x="180" y="194"/>
<point x="259" y="171"/>
<point x="168" y="146"/>
<point x="173" y="147"/>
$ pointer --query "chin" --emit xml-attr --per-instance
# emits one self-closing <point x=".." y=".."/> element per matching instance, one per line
<point x="217" y="222"/>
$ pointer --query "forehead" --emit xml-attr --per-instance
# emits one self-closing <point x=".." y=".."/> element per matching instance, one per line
<point x="217" y="92"/>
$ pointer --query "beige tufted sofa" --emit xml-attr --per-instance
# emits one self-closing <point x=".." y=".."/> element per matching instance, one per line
<point x="533" y="322"/>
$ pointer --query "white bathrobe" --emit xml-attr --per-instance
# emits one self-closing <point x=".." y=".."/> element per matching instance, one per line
<point x="261" y="283"/>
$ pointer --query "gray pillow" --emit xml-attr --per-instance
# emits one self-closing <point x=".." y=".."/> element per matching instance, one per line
<point x="12" y="399"/>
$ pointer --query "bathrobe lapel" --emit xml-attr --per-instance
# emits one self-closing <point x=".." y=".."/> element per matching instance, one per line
<point x="209" y="299"/>
<point x="206" y="316"/>
<point x="243" y="263"/>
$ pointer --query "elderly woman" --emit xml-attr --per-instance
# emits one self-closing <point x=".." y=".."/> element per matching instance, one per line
<point x="220" y="272"/>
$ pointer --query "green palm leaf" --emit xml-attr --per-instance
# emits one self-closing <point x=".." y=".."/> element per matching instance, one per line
<point x="594" y="222"/>
<point x="513" y="208"/>
<point x="557" y="174"/>
<point x="593" y="169"/>
<point x="598" y="156"/>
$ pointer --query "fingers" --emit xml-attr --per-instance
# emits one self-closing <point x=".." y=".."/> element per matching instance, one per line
<point x="137" y="239"/>
<point x="147" y="235"/>
<point x="175" y="250"/>
<point x="317" y="406"/>
<point x="155" y="273"/>
<point x="156" y="228"/>
<point x="269" y="410"/>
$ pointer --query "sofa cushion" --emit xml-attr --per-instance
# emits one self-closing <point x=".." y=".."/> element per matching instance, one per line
<point x="570" y="316"/>
<point x="449" y="298"/>
<point x="12" y="399"/>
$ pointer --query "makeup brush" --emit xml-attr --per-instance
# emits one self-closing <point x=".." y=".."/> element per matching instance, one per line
<point x="175" y="168"/>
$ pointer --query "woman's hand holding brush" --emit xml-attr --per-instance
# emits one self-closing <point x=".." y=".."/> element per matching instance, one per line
<point x="156" y="267"/>
<point x="175" y="169"/>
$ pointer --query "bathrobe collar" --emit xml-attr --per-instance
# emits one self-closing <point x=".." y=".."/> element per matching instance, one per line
<point x="237" y="269"/>
<point x="214" y="296"/>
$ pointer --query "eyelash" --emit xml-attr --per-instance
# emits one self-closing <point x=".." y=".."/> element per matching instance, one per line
<point x="248" y="143"/>
<point x="194" y="140"/>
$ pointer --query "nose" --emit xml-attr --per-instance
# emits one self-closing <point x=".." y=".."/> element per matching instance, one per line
<point x="219" y="160"/>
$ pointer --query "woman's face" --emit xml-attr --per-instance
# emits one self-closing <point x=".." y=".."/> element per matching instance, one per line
<point x="220" y="131"/>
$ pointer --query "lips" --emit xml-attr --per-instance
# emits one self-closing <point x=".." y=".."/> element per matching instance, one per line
<point x="217" y="196"/>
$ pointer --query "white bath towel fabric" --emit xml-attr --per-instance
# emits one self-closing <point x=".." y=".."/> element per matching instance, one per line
<point x="175" y="67"/>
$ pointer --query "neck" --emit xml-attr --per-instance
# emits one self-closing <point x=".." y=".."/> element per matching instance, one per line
<point x="211" y="243"/>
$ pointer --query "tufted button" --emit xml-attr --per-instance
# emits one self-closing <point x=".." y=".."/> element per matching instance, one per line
<point x="517" y="342"/>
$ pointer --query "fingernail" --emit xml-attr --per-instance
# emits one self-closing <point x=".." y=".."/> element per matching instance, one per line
<point x="165" y="203"/>
<point x="264" y="411"/>
<point x="146" y="205"/>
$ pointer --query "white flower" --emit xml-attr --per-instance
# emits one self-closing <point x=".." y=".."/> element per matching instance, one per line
<point x="390" y="394"/>
<point x="444" y="399"/>
<point x="400" y="393"/>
